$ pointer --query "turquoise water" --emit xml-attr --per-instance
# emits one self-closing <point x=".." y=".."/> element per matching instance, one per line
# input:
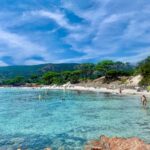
<point x="67" y="119"/>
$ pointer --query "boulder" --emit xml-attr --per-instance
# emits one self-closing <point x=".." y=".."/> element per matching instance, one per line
<point x="106" y="143"/>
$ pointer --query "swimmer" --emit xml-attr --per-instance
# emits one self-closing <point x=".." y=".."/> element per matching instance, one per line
<point x="39" y="96"/>
<point x="79" y="92"/>
<point x="144" y="100"/>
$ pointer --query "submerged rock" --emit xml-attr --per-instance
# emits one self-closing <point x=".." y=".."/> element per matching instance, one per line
<point x="106" y="143"/>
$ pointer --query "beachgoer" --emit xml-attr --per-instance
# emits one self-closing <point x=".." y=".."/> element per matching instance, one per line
<point x="39" y="96"/>
<point x="120" y="90"/>
<point x="79" y="92"/>
<point x="63" y="98"/>
<point x="46" y="92"/>
<point x="144" y="100"/>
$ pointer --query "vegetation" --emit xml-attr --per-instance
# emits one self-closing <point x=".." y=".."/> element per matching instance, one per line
<point x="9" y="72"/>
<point x="62" y="73"/>
<point x="148" y="88"/>
<point x="74" y="73"/>
<point x="17" y="81"/>
<point x="144" y="69"/>
<point x="112" y="70"/>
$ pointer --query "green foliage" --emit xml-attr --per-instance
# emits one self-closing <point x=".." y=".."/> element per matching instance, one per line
<point x="57" y="81"/>
<point x="65" y="76"/>
<point x="112" y="70"/>
<point x="148" y="88"/>
<point x="50" y="77"/>
<point x="10" y="72"/>
<point x="17" y="81"/>
<point x="33" y="79"/>
<point x="96" y="74"/>
<point x="86" y="70"/>
<point x="61" y="78"/>
<point x="63" y="73"/>
<point x="75" y="76"/>
<point x="104" y="66"/>
<point x="34" y="76"/>
<point x="72" y="76"/>
<point x="112" y="74"/>
<point x="144" y="69"/>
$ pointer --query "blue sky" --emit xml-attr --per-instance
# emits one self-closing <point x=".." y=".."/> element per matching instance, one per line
<point x="63" y="31"/>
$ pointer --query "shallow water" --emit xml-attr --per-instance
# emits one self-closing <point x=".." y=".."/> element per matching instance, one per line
<point x="67" y="119"/>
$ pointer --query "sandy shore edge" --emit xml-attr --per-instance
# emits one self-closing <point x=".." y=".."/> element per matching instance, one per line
<point x="100" y="90"/>
<point x="83" y="88"/>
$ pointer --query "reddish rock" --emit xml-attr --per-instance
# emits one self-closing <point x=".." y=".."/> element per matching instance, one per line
<point x="105" y="143"/>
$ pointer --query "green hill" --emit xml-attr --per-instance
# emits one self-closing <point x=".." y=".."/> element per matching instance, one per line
<point x="26" y="71"/>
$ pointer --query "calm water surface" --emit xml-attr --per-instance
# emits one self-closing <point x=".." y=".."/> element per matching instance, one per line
<point x="67" y="119"/>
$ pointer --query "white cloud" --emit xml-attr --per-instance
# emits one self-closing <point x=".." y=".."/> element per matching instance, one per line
<point x="110" y="32"/>
<point x="137" y="30"/>
<point x="57" y="16"/>
<point x="20" y="47"/>
<point x="134" y="59"/>
<point x="108" y="29"/>
<point x="2" y="63"/>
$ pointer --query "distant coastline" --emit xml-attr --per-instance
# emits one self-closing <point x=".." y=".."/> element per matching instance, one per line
<point x="107" y="74"/>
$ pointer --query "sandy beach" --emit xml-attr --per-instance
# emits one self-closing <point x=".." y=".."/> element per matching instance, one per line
<point x="125" y="91"/>
<point x="93" y="89"/>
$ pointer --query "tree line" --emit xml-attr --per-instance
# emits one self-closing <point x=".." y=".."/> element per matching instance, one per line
<point x="112" y="70"/>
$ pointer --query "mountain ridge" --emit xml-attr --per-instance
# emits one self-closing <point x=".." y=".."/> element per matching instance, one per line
<point x="7" y="72"/>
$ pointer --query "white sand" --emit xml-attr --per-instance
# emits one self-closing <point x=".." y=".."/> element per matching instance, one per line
<point x="134" y="81"/>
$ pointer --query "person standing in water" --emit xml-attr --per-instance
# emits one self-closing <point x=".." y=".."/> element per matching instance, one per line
<point x="144" y="100"/>
<point x="79" y="92"/>
<point x="40" y="96"/>
<point x="120" y="90"/>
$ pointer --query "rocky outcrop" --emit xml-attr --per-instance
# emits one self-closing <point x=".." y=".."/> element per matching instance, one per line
<point x="106" y="143"/>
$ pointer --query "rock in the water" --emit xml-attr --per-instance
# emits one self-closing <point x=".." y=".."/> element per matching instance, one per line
<point x="106" y="143"/>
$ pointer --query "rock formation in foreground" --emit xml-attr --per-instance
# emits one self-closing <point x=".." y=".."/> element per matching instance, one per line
<point x="106" y="143"/>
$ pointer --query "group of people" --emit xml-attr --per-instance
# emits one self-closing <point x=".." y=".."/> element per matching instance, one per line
<point x="143" y="97"/>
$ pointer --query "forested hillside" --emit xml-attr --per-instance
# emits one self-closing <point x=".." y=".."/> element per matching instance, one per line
<point x="49" y="74"/>
<point x="26" y="71"/>
<point x="63" y="73"/>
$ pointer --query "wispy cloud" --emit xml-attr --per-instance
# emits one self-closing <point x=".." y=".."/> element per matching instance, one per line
<point x="19" y="47"/>
<point x="74" y="31"/>
<point x="2" y="63"/>
<point x="114" y="32"/>
<point x="57" y="16"/>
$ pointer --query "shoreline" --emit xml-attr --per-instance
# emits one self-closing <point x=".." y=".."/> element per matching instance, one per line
<point x="100" y="90"/>
<point x="84" y="88"/>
